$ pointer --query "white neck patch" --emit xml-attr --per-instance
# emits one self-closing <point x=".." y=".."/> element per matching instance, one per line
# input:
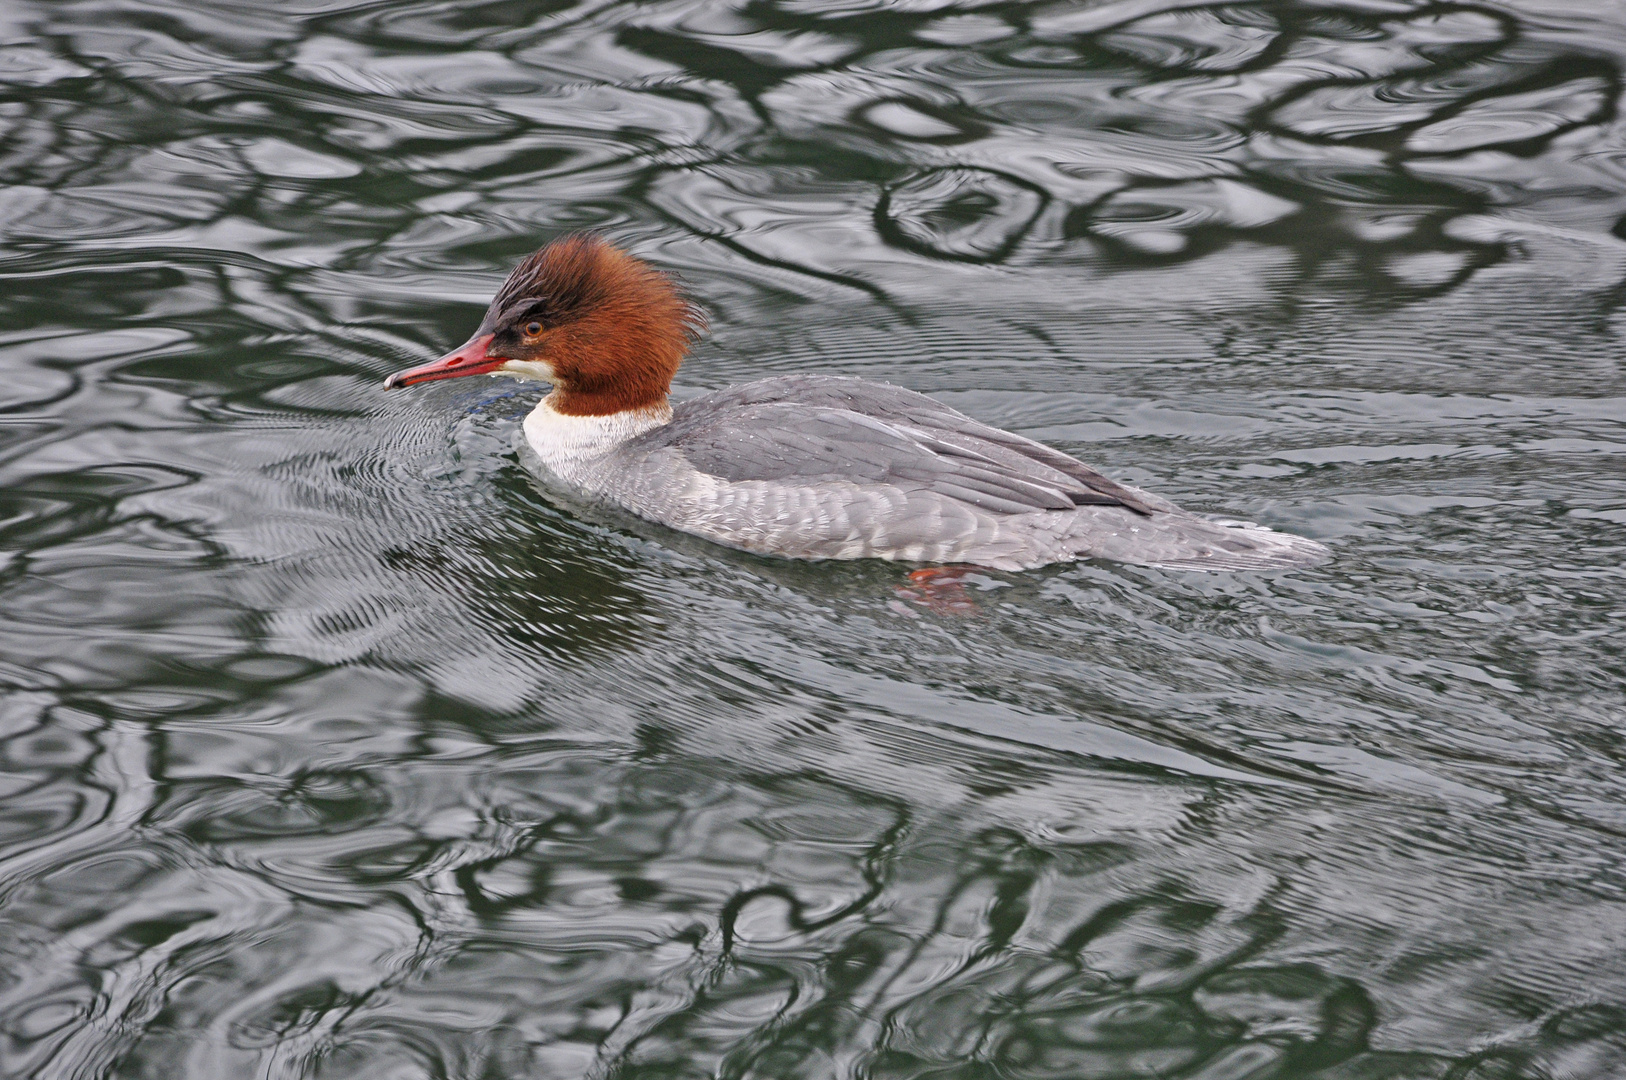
<point x="564" y="441"/>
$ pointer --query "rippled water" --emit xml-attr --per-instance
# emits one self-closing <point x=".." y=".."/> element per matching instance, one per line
<point x="335" y="747"/>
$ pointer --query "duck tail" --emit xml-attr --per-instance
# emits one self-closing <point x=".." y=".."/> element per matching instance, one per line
<point x="1183" y="541"/>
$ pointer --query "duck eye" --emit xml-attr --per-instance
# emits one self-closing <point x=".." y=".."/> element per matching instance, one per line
<point x="533" y="328"/>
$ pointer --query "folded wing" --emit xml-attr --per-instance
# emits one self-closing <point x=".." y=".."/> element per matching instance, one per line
<point x="808" y="428"/>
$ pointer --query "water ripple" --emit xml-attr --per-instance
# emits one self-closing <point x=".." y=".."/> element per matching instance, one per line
<point x="334" y="743"/>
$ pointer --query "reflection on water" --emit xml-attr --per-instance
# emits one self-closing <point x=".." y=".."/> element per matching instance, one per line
<point x="336" y="745"/>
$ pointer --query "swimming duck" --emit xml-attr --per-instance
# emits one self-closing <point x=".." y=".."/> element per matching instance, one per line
<point x="805" y="466"/>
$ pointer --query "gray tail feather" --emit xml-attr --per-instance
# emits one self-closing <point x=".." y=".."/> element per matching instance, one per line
<point x="1188" y="542"/>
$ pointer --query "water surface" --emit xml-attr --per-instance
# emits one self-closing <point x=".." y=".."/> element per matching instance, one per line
<point x="336" y="746"/>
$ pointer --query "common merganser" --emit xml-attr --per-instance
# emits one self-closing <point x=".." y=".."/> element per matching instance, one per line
<point x="804" y="466"/>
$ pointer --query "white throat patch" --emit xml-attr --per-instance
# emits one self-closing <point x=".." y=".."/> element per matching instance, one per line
<point x="564" y="442"/>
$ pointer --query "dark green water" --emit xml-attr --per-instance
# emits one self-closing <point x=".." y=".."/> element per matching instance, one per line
<point x="333" y="748"/>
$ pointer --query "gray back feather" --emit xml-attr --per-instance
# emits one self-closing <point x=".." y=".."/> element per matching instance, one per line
<point x="820" y="427"/>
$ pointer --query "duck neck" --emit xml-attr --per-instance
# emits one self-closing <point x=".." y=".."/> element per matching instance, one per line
<point x="565" y="440"/>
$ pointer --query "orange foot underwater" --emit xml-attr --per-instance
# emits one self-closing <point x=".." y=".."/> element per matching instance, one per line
<point x="938" y="589"/>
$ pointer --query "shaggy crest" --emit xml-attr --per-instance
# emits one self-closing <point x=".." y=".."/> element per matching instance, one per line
<point x="614" y="328"/>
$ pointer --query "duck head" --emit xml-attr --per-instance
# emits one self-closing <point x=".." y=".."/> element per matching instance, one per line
<point x="606" y="329"/>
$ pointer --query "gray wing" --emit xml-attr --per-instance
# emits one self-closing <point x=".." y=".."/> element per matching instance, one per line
<point x="811" y="426"/>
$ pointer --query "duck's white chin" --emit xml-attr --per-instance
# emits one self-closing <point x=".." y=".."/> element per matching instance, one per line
<point x="534" y="370"/>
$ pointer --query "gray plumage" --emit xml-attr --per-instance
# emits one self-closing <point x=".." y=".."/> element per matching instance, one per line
<point x="822" y="467"/>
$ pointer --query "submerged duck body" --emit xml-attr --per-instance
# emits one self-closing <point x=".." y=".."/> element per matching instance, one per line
<point x="804" y="466"/>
